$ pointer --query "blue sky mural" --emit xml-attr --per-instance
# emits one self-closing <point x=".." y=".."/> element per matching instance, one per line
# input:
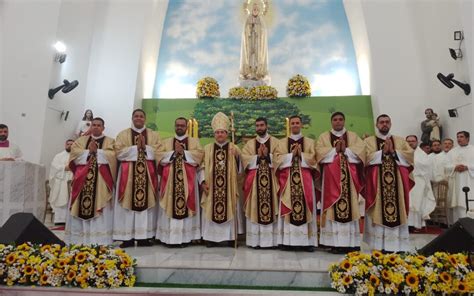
<point x="309" y="37"/>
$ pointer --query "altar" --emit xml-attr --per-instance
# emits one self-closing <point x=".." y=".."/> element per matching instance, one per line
<point x="22" y="189"/>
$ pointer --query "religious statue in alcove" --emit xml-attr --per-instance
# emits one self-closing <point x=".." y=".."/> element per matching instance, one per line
<point x="430" y="127"/>
<point x="254" y="49"/>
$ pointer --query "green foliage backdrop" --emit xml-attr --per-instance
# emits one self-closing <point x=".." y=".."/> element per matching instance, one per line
<point x="316" y="113"/>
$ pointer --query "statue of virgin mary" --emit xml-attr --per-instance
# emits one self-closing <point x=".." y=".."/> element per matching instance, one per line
<point x="254" y="49"/>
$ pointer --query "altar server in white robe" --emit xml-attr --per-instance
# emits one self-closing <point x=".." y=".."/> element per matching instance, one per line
<point x="297" y="221"/>
<point x="440" y="179"/>
<point x="218" y="180"/>
<point x="135" y="210"/>
<point x="93" y="162"/>
<point x="8" y="151"/>
<point x="260" y="159"/>
<point x="422" y="201"/>
<point x="179" y="211"/>
<point x="460" y="169"/>
<point x="387" y="189"/>
<point x="59" y="176"/>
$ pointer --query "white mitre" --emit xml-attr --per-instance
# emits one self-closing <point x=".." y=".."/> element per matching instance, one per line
<point x="220" y="122"/>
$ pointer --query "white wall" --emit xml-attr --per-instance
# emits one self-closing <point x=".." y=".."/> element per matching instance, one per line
<point x="114" y="61"/>
<point x="408" y="42"/>
<point x="75" y="28"/>
<point x="107" y="42"/>
<point x="28" y="30"/>
<point x="150" y="50"/>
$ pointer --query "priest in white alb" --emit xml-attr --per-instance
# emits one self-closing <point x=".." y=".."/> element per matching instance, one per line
<point x="8" y="151"/>
<point x="135" y="208"/>
<point x="260" y="159"/>
<point x="60" y="176"/>
<point x="341" y="156"/>
<point x="460" y="170"/>
<point x="297" y="223"/>
<point x="93" y="162"/>
<point x="422" y="201"/>
<point x="179" y="211"/>
<point x="387" y="189"/>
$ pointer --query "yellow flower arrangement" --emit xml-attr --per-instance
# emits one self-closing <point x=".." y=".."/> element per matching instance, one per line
<point x="74" y="265"/>
<point x="298" y="86"/>
<point x="263" y="92"/>
<point x="408" y="274"/>
<point x="208" y="88"/>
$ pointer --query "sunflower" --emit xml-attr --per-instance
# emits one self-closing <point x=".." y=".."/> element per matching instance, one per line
<point x="11" y="258"/>
<point x="347" y="280"/>
<point x="346" y="265"/>
<point x="377" y="254"/>
<point x="61" y="263"/>
<point x="28" y="270"/>
<point x="462" y="287"/>
<point x="386" y="275"/>
<point x="45" y="248"/>
<point x="100" y="269"/>
<point x="80" y="257"/>
<point x="374" y="280"/>
<point x="445" y="277"/>
<point x="70" y="275"/>
<point x="453" y="260"/>
<point x="44" y="279"/>
<point x="412" y="280"/>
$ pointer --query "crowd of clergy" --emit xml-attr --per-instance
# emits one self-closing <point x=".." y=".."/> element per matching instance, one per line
<point x="291" y="193"/>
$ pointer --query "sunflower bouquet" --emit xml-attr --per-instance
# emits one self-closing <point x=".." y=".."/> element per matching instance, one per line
<point x="405" y="274"/>
<point x="298" y="86"/>
<point x="263" y="92"/>
<point x="239" y="92"/>
<point x="208" y="88"/>
<point x="75" y="265"/>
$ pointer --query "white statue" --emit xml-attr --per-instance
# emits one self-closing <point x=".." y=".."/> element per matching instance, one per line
<point x="254" y="50"/>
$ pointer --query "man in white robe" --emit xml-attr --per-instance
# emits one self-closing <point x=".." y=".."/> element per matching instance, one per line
<point x="179" y="211"/>
<point x="297" y="221"/>
<point x="422" y="201"/>
<point x="260" y="159"/>
<point x="341" y="155"/>
<point x="93" y="162"/>
<point x="8" y="151"/>
<point x="135" y="209"/>
<point x="440" y="182"/>
<point x="460" y="170"/>
<point x="388" y="184"/>
<point x="59" y="176"/>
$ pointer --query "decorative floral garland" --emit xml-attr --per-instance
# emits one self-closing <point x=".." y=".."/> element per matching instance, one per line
<point x="298" y="86"/>
<point x="207" y="88"/>
<point x="75" y="265"/>
<point x="263" y="92"/>
<point x="407" y="274"/>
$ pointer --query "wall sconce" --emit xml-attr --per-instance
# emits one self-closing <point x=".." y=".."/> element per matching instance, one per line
<point x="60" y="56"/>
<point x="457" y="53"/>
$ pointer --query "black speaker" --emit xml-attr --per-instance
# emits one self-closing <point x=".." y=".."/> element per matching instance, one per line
<point x="456" y="239"/>
<point x="24" y="227"/>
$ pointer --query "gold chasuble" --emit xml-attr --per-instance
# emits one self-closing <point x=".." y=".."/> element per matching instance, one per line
<point x="220" y="173"/>
<point x="342" y="180"/>
<point x="178" y="178"/>
<point x="138" y="184"/>
<point x="93" y="182"/>
<point x="261" y="185"/>
<point x="297" y="182"/>
<point x="388" y="184"/>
